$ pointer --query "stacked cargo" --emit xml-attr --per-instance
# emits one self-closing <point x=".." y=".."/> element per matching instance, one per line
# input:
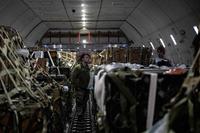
<point x="136" y="55"/>
<point x="119" y="55"/>
<point x="96" y="59"/>
<point x="68" y="58"/>
<point x="25" y="104"/>
<point x="139" y="55"/>
<point x="109" y="55"/>
<point x="146" y="56"/>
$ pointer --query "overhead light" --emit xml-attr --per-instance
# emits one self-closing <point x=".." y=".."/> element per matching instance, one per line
<point x="173" y="39"/>
<point x="84" y="25"/>
<point x="152" y="53"/>
<point x="196" y="29"/>
<point x="84" y="30"/>
<point x="77" y="48"/>
<point x="82" y="5"/>
<point x="84" y="46"/>
<point x="61" y="49"/>
<point x="54" y="46"/>
<point x="152" y="45"/>
<point x="115" y="45"/>
<point x="83" y="11"/>
<point x="163" y="44"/>
<point x="60" y="45"/>
<point x="143" y="46"/>
<point x="83" y="18"/>
<point x="84" y="41"/>
<point x="109" y="46"/>
<point x="83" y="15"/>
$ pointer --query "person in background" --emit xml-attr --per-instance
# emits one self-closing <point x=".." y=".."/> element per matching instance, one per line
<point x="80" y="78"/>
<point x="161" y="60"/>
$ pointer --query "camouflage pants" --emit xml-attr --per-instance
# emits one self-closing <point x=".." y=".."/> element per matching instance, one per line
<point x="82" y="96"/>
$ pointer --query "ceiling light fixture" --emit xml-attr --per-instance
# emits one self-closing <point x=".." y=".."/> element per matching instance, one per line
<point x="115" y="46"/>
<point x="83" y="11"/>
<point x="84" y="30"/>
<point x="83" y="18"/>
<point x="163" y="44"/>
<point x="82" y="5"/>
<point x="84" y="41"/>
<point x="152" y="45"/>
<point x="173" y="39"/>
<point x="196" y="29"/>
<point x="143" y="46"/>
<point x="84" y="23"/>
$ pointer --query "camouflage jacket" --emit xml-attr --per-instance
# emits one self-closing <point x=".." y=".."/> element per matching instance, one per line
<point x="80" y="76"/>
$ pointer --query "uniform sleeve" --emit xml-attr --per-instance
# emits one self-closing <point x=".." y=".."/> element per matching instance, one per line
<point x="74" y="76"/>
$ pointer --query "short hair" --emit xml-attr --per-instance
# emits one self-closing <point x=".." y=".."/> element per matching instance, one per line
<point x="161" y="49"/>
<point x="83" y="55"/>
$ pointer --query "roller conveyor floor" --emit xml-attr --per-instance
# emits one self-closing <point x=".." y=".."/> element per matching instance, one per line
<point x="85" y="124"/>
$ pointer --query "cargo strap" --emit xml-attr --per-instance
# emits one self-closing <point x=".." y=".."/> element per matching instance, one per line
<point x="125" y="98"/>
<point x="123" y="89"/>
<point x="151" y="99"/>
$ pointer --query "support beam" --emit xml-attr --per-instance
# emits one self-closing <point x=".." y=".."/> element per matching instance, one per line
<point x="140" y="34"/>
<point x="33" y="29"/>
<point x="74" y="21"/>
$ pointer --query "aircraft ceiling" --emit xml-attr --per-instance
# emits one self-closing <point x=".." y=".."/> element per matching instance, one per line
<point x="142" y="21"/>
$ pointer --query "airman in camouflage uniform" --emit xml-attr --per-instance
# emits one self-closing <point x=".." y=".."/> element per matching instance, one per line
<point x="80" y="79"/>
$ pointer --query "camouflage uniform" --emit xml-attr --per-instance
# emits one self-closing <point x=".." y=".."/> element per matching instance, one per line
<point x="80" y="78"/>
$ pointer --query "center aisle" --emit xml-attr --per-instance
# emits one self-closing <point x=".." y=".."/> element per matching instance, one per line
<point x="87" y="124"/>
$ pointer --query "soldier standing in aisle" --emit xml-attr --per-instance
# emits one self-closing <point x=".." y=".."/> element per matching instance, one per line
<point x="80" y="79"/>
